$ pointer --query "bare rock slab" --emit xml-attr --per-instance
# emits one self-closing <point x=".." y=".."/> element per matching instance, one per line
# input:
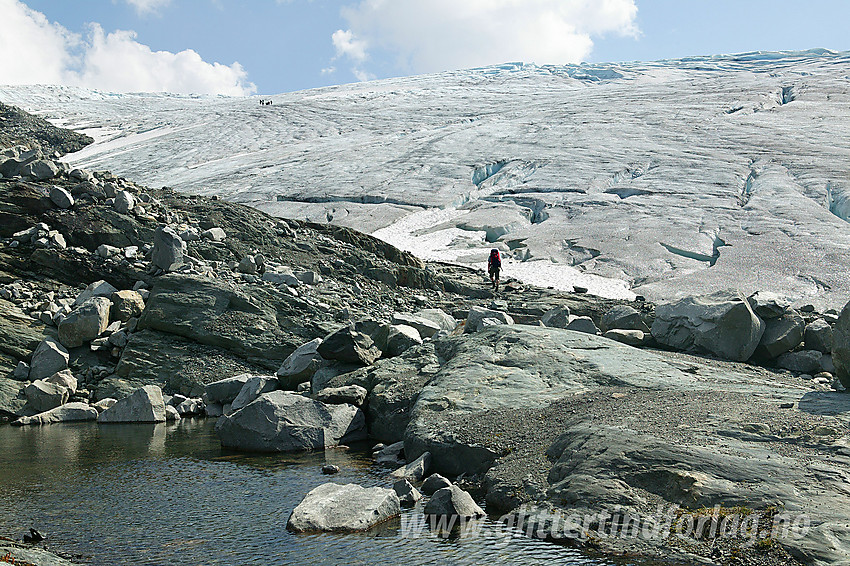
<point x="145" y="405"/>
<point x="66" y="413"/>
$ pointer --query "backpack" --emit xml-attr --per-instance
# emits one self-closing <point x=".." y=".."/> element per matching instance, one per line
<point x="495" y="259"/>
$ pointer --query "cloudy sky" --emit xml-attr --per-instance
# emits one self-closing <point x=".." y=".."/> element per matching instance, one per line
<point x="269" y="46"/>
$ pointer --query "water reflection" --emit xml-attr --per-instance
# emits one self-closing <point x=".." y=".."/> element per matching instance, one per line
<point x="168" y="494"/>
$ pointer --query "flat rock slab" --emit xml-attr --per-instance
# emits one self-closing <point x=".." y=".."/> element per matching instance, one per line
<point x="281" y="421"/>
<point x="344" y="508"/>
<point x="66" y="413"/>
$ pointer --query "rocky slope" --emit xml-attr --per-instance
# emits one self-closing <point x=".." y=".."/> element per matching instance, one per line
<point x="113" y="294"/>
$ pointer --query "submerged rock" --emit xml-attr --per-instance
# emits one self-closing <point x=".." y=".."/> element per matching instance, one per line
<point x="452" y="501"/>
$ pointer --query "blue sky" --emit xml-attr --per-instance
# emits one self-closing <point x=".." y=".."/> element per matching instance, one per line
<point x="271" y="46"/>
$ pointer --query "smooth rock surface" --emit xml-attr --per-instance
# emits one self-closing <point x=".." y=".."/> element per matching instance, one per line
<point x="68" y="412"/>
<point x="145" y="405"/>
<point x="343" y="508"/>
<point x="85" y="323"/>
<point x="49" y="357"/>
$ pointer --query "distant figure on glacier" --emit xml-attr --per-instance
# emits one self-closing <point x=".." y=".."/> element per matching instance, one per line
<point x="494" y="265"/>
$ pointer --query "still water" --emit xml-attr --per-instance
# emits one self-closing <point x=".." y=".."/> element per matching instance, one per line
<point x="168" y="494"/>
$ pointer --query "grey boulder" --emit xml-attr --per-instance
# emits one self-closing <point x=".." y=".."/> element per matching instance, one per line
<point x="721" y="323"/>
<point x="49" y="357"/>
<point x="407" y="494"/>
<point x="781" y="334"/>
<point x="439" y="317"/>
<point x="583" y="324"/>
<point x="85" y="323"/>
<point x="253" y="388"/>
<point x="225" y="390"/>
<point x="300" y="365"/>
<point x="416" y="470"/>
<point x="347" y="394"/>
<point x="282" y="421"/>
<point x="424" y="326"/>
<point x="623" y="317"/>
<point x="818" y="336"/>
<point x="478" y="314"/>
<point x="433" y="483"/>
<point x="401" y="338"/>
<point x="61" y="197"/>
<point x="841" y="346"/>
<point x="349" y="345"/>
<point x="558" y="317"/>
<point x="343" y="508"/>
<point x="43" y="395"/>
<point x="126" y="305"/>
<point x="804" y="361"/>
<point x="452" y="501"/>
<point x="168" y="249"/>
<point x="144" y="405"/>
<point x="66" y="413"/>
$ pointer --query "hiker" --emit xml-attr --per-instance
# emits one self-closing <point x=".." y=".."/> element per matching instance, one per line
<point x="494" y="265"/>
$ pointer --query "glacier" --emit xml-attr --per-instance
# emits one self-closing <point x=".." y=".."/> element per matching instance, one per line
<point x="660" y="179"/>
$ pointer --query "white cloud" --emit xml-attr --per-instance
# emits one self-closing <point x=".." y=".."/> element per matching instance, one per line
<point x="148" y="6"/>
<point x="348" y="45"/>
<point x="33" y="50"/>
<point x="450" y="34"/>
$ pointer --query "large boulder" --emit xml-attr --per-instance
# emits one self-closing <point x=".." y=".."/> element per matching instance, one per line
<point x="300" y="365"/>
<point x="558" y="317"/>
<point x="282" y="421"/>
<point x="439" y="317"/>
<point x="64" y="378"/>
<point x="804" y="361"/>
<point x="145" y="405"/>
<point x="49" y="357"/>
<point x="253" y="388"/>
<point x="349" y="345"/>
<point x="61" y="197"/>
<point x="401" y="338"/>
<point x="85" y="323"/>
<point x="721" y="323"/>
<point x="41" y="170"/>
<point x="343" y="508"/>
<point x="347" y="394"/>
<point x="126" y="305"/>
<point x="424" y="326"/>
<point x="97" y="289"/>
<point x="415" y="470"/>
<point x="479" y="314"/>
<point x="623" y="317"/>
<point x="781" y="334"/>
<point x="582" y="324"/>
<point x="818" y="336"/>
<point x="841" y="346"/>
<point x="452" y="501"/>
<point x="225" y="390"/>
<point x="65" y="413"/>
<point x="168" y="249"/>
<point x="43" y="395"/>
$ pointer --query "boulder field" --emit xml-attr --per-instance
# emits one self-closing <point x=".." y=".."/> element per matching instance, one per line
<point x="130" y="304"/>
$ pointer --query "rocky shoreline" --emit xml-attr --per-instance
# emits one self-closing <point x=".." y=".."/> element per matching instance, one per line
<point x="123" y="303"/>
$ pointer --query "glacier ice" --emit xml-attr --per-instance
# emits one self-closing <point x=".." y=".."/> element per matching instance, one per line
<point x="662" y="179"/>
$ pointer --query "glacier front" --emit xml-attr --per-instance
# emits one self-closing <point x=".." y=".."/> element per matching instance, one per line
<point x="662" y="179"/>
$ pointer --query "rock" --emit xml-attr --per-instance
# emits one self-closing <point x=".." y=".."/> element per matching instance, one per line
<point x="804" y="361"/>
<point x="348" y="345"/>
<point x="281" y="276"/>
<point x="434" y="482"/>
<point x="453" y="502"/>
<point x="97" y="289"/>
<point x="343" y="508"/>
<point x="582" y="324"/>
<point x="281" y="421"/>
<point x="445" y="321"/>
<point x="64" y="378"/>
<point x="818" y="336"/>
<point x="425" y="327"/>
<point x="309" y="277"/>
<point x="190" y="407"/>
<point x="43" y="396"/>
<point x="623" y="317"/>
<point x="66" y="413"/>
<point x="330" y="469"/>
<point x="225" y="390"/>
<point x="253" y="388"/>
<point x="769" y="305"/>
<point x="213" y="410"/>
<point x="477" y="314"/>
<point x="61" y="197"/>
<point x="107" y="252"/>
<point x="841" y="346"/>
<point x="400" y="338"/>
<point x="104" y="404"/>
<point x="348" y="394"/>
<point x="85" y="323"/>
<point x="145" y="405"/>
<point x="168" y="249"/>
<point x="300" y="365"/>
<point x="781" y="334"/>
<point x="722" y="323"/>
<point x="247" y="265"/>
<point x="558" y="317"/>
<point x="172" y="414"/>
<point x="391" y="456"/>
<point x="214" y="234"/>
<point x="49" y="357"/>
<point x="416" y="470"/>
<point x="124" y="202"/>
<point x="634" y="338"/>
<point x="407" y="494"/>
<point x="126" y="305"/>
<point x="22" y="371"/>
<point x="41" y="170"/>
